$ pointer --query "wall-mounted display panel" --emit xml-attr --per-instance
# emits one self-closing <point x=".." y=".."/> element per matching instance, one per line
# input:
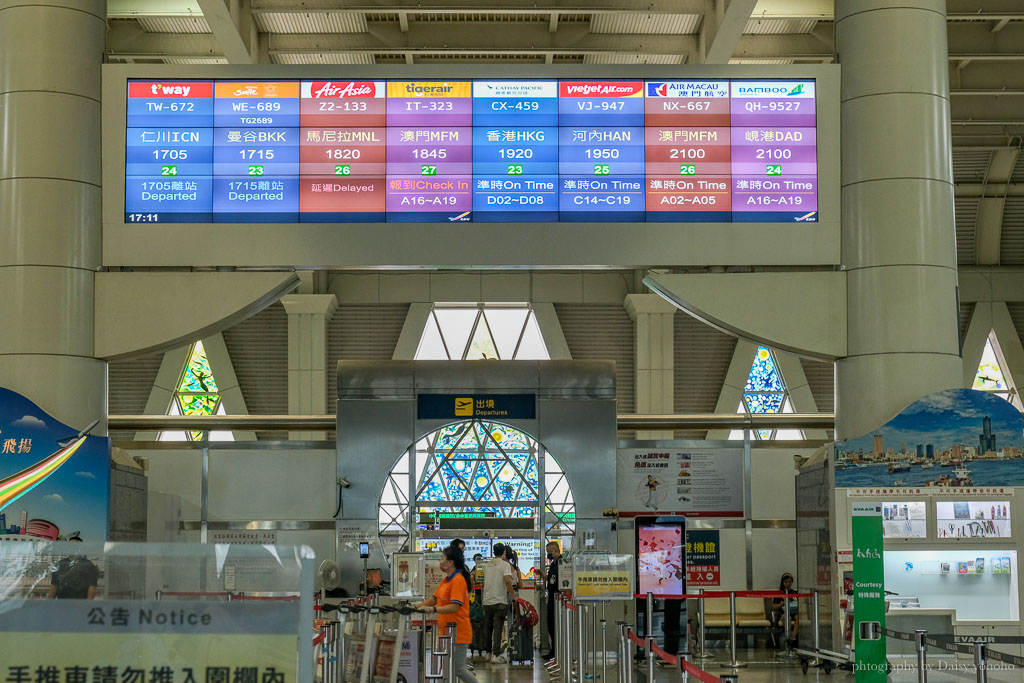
<point x="972" y="519"/>
<point x="651" y="158"/>
<point x="905" y="519"/>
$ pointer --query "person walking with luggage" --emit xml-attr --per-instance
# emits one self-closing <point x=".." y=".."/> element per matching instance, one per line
<point x="497" y="589"/>
<point x="451" y="604"/>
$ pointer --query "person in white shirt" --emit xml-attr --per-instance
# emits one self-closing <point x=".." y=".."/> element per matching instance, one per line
<point x="497" y="589"/>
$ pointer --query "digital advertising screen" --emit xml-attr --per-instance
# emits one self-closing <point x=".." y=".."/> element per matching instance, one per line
<point x="661" y="568"/>
<point x="719" y="150"/>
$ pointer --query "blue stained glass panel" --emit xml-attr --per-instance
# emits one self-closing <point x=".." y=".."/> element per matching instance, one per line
<point x="764" y="434"/>
<point x="433" y="491"/>
<point x="764" y="403"/>
<point x="763" y="374"/>
<point x="508" y="438"/>
<point x="451" y="481"/>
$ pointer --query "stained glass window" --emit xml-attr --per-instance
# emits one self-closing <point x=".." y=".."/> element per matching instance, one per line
<point x="196" y="394"/>
<point x="766" y="392"/>
<point x="475" y="466"/>
<point x="482" y="332"/>
<point x="990" y="375"/>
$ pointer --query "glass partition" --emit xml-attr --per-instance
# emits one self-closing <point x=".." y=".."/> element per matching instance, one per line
<point x="212" y="612"/>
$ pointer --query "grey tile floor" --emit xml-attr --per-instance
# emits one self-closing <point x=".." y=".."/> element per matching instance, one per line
<point x="764" y="667"/>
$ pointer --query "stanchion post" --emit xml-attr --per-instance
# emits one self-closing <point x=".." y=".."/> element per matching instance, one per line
<point x="649" y="632"/>
<point x="979" y="662"/>
<point x="620" y="655"/>
<point x="452" y="638"/>
<point x="785" y="606"/>
<point x="702" y="652"/>
<point x="629" y="657"/>
<point x="399" y="637"/>
<point x="922" y="655"/>
<point x="364" y="676"/>
<point x="604" y="645"/>
<point x="734" y="664"/>
<point x="582" y="654"/>
<point x="816" y="623"/>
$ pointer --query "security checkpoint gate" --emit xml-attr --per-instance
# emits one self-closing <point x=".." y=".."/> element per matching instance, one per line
<point x="385" y="407"/>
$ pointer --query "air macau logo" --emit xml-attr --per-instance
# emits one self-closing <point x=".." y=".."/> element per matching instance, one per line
<point x="662" y="90"/>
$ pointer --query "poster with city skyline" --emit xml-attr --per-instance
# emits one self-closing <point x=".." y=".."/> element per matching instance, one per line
<point x="957" y="437"/>
<point x="54" y="479"/>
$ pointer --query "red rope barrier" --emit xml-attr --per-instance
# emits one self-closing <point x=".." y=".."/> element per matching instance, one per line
<point x="700" y="674"/>
<point x="319" y="639"/>
<point x="268" y="598"/>
<point x="192" y="594"/>
<point x="571" y="607"/>
<point x="664" y="656"/>
<point x="639" y="642"/>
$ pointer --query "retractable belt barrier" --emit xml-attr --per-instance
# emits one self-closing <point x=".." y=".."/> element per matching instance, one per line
<point x="571" y="664"/>
<point x="980" y="650"/>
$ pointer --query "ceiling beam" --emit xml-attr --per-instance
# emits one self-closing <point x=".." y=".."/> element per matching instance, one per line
<point x="484" y="38"/>
<point x="476" y="7"/>
<point x="988" y="189"/>
<point x="988" y="233"/>
<point x="232" y="24"/>
<point x="722" y="28"/>
<point x="976" y="41"/>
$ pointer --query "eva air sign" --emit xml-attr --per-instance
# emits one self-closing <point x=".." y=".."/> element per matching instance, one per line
<point x="868" y="592"/>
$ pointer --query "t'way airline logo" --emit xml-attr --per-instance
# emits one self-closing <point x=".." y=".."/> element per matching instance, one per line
<point x="602" y="89"/>
<point x="350" y="89"/>
<point x="161" y="89"/>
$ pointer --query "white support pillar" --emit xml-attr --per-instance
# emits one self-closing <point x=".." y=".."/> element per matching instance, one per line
<point x="655" y="358"/>
<point x="51" y="52"/>
<point x="898" y="245"/>
<point x="308" y="315"/>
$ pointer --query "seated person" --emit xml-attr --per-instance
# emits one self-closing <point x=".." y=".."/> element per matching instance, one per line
<point x="778" y="610"/>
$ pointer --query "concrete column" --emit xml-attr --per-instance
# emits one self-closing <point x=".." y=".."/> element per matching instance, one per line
<point x="655" y="357"/>
<point x="50" y="57"/>
<point x="898" y="242"/>
<point x="308" y="315"/>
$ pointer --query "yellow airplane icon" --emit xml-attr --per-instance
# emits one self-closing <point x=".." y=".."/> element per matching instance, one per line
<point x="464" y="407"/>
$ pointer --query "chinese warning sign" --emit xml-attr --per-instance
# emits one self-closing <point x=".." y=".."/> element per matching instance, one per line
<point x="122" y="641"/>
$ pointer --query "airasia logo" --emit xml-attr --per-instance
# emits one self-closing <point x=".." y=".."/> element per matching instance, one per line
<point x="350" y="89"/>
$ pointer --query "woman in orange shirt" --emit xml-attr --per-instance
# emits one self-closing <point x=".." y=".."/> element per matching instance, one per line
<point x="451" y="603"/>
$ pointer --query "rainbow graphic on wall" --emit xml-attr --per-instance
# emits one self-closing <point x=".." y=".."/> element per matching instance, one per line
<point x="54" y="478"/>
<point x="17" y="485"/>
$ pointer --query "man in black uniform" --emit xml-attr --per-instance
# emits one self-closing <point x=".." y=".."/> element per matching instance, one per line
<point x="551" y="579"/>
<point x="75" y="578"/>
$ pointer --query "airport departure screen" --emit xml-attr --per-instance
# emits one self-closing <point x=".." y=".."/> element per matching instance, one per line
<point x="495" y="151"/>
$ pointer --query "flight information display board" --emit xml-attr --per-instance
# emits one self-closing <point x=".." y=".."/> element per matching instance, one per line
<point x="532" y="150"/>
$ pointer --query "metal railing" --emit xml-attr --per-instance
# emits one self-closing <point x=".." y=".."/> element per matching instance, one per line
<point x="571" y="664"/>
<point x="309" y="423"/>
<point x="981" y="653"/>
